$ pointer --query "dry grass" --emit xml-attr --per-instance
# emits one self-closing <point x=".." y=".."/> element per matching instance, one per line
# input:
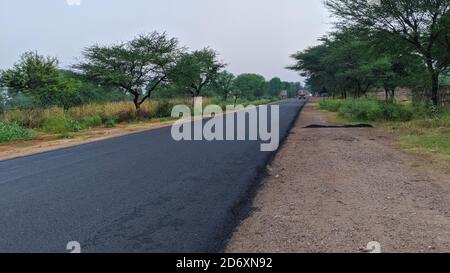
<point x="119" y="111"/>
<point x="31" y="118"/>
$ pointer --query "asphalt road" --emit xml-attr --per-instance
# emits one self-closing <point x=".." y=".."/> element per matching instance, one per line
<point x="138" y="193"/>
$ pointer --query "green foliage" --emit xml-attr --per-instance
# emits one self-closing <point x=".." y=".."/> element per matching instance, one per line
<point x="19" y="101"/>
<point x="249" y="86"/>
<point x="274" y="87"/>
<point x="351" y="62"/>
<point x="223" y="84"/>
<point x="142" y="62"/>
<point x="361" y="109"/>
<point x="439" y="143"/>
<point x="163" y="109"/>
<point x="423" y="24"/>
<point x="331" y="105"/>
<point x="89" y="91"/>
<point x="369" y="110"/>
<point x="39" y="78"/>
<point x="110" y="122"/>
<point x="196" y="70"/>
<point x="61" y="125"/>
<point x="2" y="100"/>
<point x="396" y="112"/>
<point x="91" y="121"/>
<point x="12" y="131"/>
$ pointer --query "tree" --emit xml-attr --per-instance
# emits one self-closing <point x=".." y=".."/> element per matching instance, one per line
<point x="137" y="67"/>
<point x="339" y="65"/>
<point x="38" y="77"/>
<point x="414" y="21"/>
<point x="310" y="64"/>
<point x="195" y="70"/>
<point x="224" y="83"/>
<point x="354" y="61"/>
<point x="250" y="86"/>
<point x="274" y="87"/>
<point x="443" y="48"/>
<point x="395" y="64"/>
<point x="91" y="92"/>
<point x="2" y="100"/>
<point x="292" y="88"/>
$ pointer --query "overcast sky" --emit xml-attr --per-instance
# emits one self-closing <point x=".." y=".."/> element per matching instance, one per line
<point x="251" y="35"/>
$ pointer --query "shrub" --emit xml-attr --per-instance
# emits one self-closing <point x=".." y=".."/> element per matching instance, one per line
<point x="361" y="109"/>
<point x="369" y="110"/>
<point x="13" y="131"/>
<point x="61" y="125"/>
<point x="110" y="122"/>
<point x="396" y="112"/>
<point x="91" y="121"/>
<point x="163" y="109"/>
<point x="330" y="105"/>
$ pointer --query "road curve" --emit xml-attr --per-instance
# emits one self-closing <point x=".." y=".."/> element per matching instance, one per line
<point x="138" y="193"/>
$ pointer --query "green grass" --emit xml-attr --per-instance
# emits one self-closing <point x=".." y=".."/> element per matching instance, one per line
<point x="369" y="110"/>
<point x="61" y="125"/>
<point x="110" y="122"/>
<point x="10" y="132"/>
<point x="92" y="121"/>
<point x="422" y="128"/>
<point x="429" y="142"/>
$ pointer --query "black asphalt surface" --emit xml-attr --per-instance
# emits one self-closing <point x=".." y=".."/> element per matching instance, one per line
<point x="138" y="193"/>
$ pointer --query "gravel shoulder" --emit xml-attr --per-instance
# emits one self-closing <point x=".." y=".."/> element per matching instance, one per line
<point x="335" y="190"/>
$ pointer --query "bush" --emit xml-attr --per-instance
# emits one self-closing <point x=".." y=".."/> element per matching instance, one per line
<point x="91" y="121"/>
<point x="330" y="105"/>
<point x="163" y="109"/>
<point x="13" y="131"/>
<point x="396" y="112"/>
<point x="369" y="110"/>
<point x="110" y="122"/>
<point x="361" y="110"/>
<point x="61" y="125"/>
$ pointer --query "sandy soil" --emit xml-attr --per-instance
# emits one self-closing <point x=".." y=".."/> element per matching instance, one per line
<point x="335" y="190"/>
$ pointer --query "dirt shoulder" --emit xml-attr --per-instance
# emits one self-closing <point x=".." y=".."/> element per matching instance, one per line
<point x="335" y="190"/>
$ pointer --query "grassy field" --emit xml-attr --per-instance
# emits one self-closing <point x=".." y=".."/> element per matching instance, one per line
<point x="25" y="124"/>
<point x="422" y="128"/>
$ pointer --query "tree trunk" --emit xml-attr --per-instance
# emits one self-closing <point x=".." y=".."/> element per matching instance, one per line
<point x="434" y="81"/>
<point x="137" y="105"/>
<point x="435" y="88"/>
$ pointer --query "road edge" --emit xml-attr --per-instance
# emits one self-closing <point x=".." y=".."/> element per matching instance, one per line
<point x="244" y="207"/>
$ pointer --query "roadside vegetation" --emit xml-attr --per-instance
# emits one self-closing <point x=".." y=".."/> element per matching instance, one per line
<point x="12" y="131"/>
<point x="24" y="124"/>
<point x="377" y="50"/>
<point x="422" y="127"/>
<point x="136" y="81"/>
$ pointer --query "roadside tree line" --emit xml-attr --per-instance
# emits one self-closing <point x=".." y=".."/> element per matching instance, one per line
<point x="149" y="66"/>
<point x="381" y="45"/>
